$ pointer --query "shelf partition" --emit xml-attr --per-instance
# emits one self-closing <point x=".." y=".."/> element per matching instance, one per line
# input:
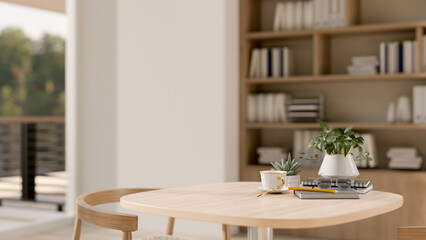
<point x="335" y="78"/>
<point x="351" y="30"/>
<point x="357" y="126"/>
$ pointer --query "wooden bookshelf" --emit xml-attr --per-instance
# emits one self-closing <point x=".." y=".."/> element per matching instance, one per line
<point x="321" y="59"/>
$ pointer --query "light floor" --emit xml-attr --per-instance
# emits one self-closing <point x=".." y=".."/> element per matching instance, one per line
<point x="90" y="232"/>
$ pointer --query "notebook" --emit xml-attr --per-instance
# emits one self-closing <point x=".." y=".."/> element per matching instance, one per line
<point x="358" y="183"/>
<point x="343" y="194"/>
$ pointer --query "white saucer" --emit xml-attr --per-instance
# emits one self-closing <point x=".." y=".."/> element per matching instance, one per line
<point x="284" y="189"/>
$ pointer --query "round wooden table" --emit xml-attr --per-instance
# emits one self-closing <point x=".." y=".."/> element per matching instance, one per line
<point x="235" y="203"/>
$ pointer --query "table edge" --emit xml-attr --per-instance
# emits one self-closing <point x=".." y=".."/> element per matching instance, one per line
<point x="265" y="222"/>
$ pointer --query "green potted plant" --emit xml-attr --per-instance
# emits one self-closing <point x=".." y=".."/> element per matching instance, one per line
<point x="336" y="143"/>
<point x="292" y="178"/>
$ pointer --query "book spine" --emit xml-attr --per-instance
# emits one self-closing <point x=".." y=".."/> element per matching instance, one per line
<point x="334" y="16"/>
<point x="382" y="57"/>
<point x="254" y="62"/>
<point x="417" y="104"/>
<point x="326" y="13"/>
<point x="290" y="14"/>
<point x="423" y="105"/>
<point x="285" y="62"/>
<point x="283" y="20"/>
<point x="264" y="62"/>
<point x="415" y="66"/>
<point x="342" y="13"/>
<point x="307" y="14"/>
<point x="392" y="59"/>
<point x="317" y="13"/>
<point x="407" y="56"/>
<point x="269" y="63"/>
<point x="277" y="17"/>
<point x="424" y="53"/>
<point x="276" y="68"/>
<point x="400" y="57"/>
<point x="298" y="15"/>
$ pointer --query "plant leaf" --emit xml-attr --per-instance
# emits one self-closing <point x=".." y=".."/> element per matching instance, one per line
<point x="348" y="129"/>
<point x="324" y="125"/>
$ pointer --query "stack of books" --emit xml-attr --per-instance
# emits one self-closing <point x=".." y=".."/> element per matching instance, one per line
<point x="267" y="108"/>
<point x="359" y="186"/>
<point x="306" y="109"/>
<point x="398" y="57"/>
<point x="301" y="152"/>
<point x="363" y="65"/>
<point x="404" y="158"/>
<point x="271" y="154"/>
<point x="370" y="147"/>
<point x="271" y="62"/>
<point x="309" y="14"/>
<point x="419" y="104"/>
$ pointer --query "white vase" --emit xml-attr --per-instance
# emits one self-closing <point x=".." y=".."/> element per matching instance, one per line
<point x="292" y="181"/>
<point x="338" y="166"/>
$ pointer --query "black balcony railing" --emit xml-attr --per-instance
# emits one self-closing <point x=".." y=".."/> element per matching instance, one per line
<point x="30" y="147"/>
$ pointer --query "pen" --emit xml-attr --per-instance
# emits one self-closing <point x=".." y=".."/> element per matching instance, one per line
<point x="313" y="190"/>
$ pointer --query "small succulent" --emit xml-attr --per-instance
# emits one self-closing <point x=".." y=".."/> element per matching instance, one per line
<point x="290" y="166"/>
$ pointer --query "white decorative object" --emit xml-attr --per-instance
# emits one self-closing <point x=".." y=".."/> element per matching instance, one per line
<point x="390" y="118"/>
<point x="338" y="166"/>
<point x="403" y="110"/>
<point x="292" y="181"/>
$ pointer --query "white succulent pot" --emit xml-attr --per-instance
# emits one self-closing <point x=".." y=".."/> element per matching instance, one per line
<point x="338" y="166"/>
<point x="292" y="181"/>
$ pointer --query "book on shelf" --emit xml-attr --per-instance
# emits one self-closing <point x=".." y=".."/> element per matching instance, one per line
<point x="290" y="16"/>
<point x="424" y="53"/>
<point x="264" y="60"/>
<point x="267" y="108"/>
<point x="309" y="14"/>
<point x="419" y="104"/>
<point x="298" y="15"/>
<point x="254" y="71"/>
<point x="274" y="62"/>
<point x="398" y="57"/>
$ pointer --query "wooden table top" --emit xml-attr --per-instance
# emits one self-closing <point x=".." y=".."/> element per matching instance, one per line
<point x="235" y="203"/>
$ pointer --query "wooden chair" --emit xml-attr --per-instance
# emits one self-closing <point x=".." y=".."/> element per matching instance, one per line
<point x="411" y="233"/>
<point x="127" y="223"/>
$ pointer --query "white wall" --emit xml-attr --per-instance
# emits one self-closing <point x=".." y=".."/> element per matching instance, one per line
<point x="156" y="96"/>
<point x="177" y="96"/>
<point x="91" y="96"/>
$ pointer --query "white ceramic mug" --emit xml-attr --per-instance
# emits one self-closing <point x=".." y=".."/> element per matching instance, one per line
<point x="272" y="179"/>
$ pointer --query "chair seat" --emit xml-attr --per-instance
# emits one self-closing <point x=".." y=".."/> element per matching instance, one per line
<point x="162" y="237"/>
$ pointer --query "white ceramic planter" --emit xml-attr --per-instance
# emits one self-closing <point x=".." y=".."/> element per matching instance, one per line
<point x="338" y="166"/>
<point x="292" y="181"/>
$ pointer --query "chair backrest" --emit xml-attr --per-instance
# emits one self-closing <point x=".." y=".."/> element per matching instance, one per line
<point x="87" y="211"/>
<point x="411" y="233"/>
